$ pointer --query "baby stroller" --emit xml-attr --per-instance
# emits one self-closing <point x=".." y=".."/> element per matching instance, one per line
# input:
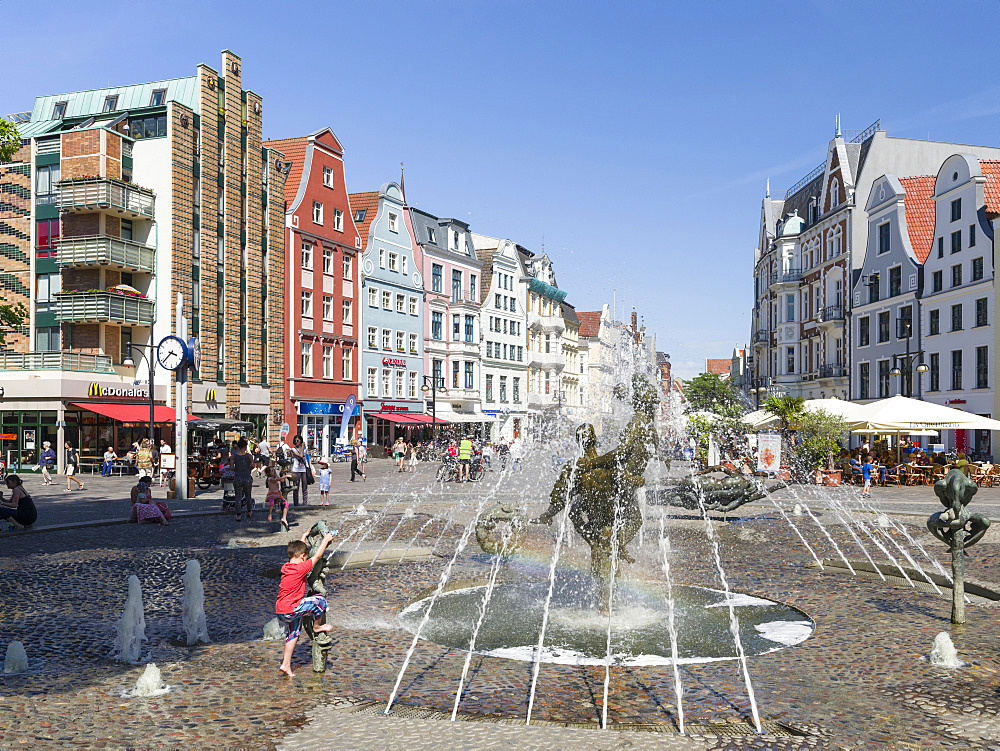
<point x="228" y="489"/>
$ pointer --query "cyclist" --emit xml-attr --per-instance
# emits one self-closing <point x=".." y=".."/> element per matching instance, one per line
<point x="464" y="459"/>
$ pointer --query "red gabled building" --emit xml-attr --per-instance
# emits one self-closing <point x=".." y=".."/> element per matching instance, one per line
<point x="322" y="360"/>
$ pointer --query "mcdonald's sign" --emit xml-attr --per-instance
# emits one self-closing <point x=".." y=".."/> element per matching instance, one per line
<point x="210" y="397"/>
<point x="98" y="389"/>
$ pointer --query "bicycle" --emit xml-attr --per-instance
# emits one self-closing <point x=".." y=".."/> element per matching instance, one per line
<point x="448" y="471"/>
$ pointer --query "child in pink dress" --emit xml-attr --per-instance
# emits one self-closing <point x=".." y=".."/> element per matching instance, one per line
<point x="274" y="494"/>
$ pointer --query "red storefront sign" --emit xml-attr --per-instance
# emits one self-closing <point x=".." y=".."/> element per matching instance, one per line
<point x="394" y="361"/>
<point x="387" y="407"/>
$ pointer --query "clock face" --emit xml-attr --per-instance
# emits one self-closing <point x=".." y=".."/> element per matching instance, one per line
<point x="171" y="353"/>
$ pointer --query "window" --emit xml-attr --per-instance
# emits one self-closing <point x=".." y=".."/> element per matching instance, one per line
<point x="412" y="385"/>
<point x="937" y="281"/>
<point x="327" y="260"/>
<point x="381" y="258"/>
<point x="548" y="343"/>
<point x="789" y="308"/>
<point x="431" y="236"/>
<point x="520" y="354"/>
<point x="516" y="394"/>
<point x="469" y="377"/>
<point x="307" y="304"/>
<point x="956" y="209"/>
<point x="940" y="244"/>
<point x="307" y="256"/>
<point x="110" y="103"/>
<point x="977" y="269"/>
<point x="373" y="297"/>
<point x="399" y="383"/>
<point x="400" y="303"/>
<point x="328" y="177"/>
<point x="59" y="110"/>
<point x="546" y="389"/>
<point x="873" y="288"/>
<point x="454" y="239"/>
<point x="437" y="370"/>
<point x="46" y="191"/>
<point x="157" y="97"/>
<point x="935" y="372"/>
<point x="346" y="367"/>
<point x="834" y="193"/>
<point x="153" y="126"/>
<point x="372" y="382"/>
<point x="393" y="222"/>
<point x="863" y="381"/>
<point x="348" y="267"/>
<point x="327" y="308"/>
<point x="489" y="387"/>
<point x="393" y="261"/>
<point x="956" y="275"/>
<point x="497" y="302"/>
<point x="386" y="300"/>
<point x="956" y="370"/>
<point x="46" y="285"/>
<point x="956" y="241"/>
<point x="455" y="374"/>
<point x="47" y="236"/>
<point x="47" y="339"/>
<point x="359" y="215"/>
<point x="347" y="313"/>
<point x="317" y="212"/>
<point x="895" y="281"/>
<point x="413" y="306"/>
<point x="981" y="314"/>
<point x="437" y="272"/>
<point x="489" y="349"/>
<point x="413" y="344"/>
<point x="935" y="322"/>
<point x="883" y="379"/>
<point x="469" y="328"/>
<point x="386" y="382"/>
<point x="883" y="326"/>
<point x="972" y="235"/>
<point x="372" y="337"/>
<point x="386" y="339"/>
<point x="904" y="324"/>
<point x="456" y="285"/>
<point x="883" y="238"/>
<point x="982" y="367"/>
<point x="789" y="359"/>
<point x="338" y="220"/>
<point x="402" y="265"/>
<point x="503" y="388"/>
<point x="956" y="317"/>
<point x="436" y="325"/>
<point x="400" y="341"/>
<point x="456" y="328"/>
<point x="472" y="287"/>
<point x="306" y="358"/>
<point x="327" y="362"/>
<point x="126" y="232"/>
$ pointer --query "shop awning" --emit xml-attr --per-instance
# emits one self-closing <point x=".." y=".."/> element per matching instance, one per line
<point x="130" y="412"/>
<point x="392" y="417"/>
<point x="426" y="420"/>
<point x="213" y="425"/>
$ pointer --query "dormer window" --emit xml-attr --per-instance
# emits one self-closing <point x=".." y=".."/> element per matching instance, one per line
<point x="393" y="222"/>
<point x="431" y="235"/>
<point x="359" y="215"/>
<point x="327" y="177"/>
<point x="110" y="103"/>
<point x="157" y="97"/>
<point x="454" y="240"/>
<point x="834" y="193"/>
<point x="59" y="110"/>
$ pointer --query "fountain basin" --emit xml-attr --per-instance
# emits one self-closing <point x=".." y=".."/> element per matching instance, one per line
<point x="577" y="631"/>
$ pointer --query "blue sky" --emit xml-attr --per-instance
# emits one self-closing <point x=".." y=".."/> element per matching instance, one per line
<point x="635" y="138"/>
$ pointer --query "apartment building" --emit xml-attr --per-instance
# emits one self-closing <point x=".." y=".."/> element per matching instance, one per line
<point x="545" y="328"/>
<point x="122" y="198"/>
<point x="321" y="363"/>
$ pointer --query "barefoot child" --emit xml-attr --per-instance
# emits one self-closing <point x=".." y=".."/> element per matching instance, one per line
<point x="291" y="605"/>
<point x="324" y="484"/>
<point x="274" y="494"/>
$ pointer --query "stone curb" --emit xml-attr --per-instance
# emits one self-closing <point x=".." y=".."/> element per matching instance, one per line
<point x="102" y="523"/>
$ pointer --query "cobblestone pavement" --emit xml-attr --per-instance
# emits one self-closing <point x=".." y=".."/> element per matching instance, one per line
<point x="860" y="681"/>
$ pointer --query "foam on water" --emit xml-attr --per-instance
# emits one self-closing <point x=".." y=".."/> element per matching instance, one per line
<point x="150" y="684"/>
<point x="16" y="660"/>
<point x="273" y="630"/>
<point x="788" y="633"/>
<point x="944" y="654"/>
<point x="738" y="600"/>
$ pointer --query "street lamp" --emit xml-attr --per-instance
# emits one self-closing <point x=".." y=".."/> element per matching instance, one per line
<point x="437" y="388"/>
<point x="902" y="365"/>
<point x="148" y="354"/>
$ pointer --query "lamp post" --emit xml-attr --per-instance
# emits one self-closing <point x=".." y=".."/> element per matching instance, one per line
<point x="434" y="385"/>
<point x="148" y="354"/>
<point x="902" y="365"/>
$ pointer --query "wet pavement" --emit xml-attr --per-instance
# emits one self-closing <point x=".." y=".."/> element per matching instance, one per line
<point x="860" y="680"/>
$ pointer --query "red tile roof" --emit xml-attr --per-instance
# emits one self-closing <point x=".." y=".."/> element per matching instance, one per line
<point x="590" y="323"/>
<point x="919" y="206"/>
<point x="991" y="171"/>
<point x="294" y="150"/>
<point x="719" y="366"/>
<point x="369" y="203"/>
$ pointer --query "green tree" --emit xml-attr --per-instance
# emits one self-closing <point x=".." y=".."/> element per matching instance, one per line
<point x="10" y="140"/>
<point x="786" y="408"/>
<point x="11" y="317"/>
<point x="709" y="393"/>
<point x="818" y="438"/>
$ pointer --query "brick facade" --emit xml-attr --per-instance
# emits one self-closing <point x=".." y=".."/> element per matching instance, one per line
<point x="15" y="241"/>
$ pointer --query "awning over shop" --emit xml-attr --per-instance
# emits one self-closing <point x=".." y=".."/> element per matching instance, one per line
<point x="403" y="418"/>
<point x="129" y="412"/>
<point x="426" y="420"/>
<point x="391" y="417"/>
<point x="212" y="424"/>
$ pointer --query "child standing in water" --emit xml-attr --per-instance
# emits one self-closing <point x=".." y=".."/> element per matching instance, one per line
<point x="292" y="605"/>
<point x="324" y="484"/>
<point x="274" y="495"/>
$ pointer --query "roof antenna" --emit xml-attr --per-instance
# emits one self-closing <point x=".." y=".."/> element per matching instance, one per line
<point x="402" y="183"/>
<point x="767" y="190"/>
<point x="837" y="134"/>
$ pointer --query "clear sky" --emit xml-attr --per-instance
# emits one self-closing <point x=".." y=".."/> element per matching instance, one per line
<point x="634" y="137"/>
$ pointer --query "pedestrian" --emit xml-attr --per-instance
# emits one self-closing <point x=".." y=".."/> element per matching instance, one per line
<point x="144" y="457"/>
<point x="355" y="459"/>
<point x="363" y="458"/>
<point x="242" y="480"/>
<point x="866" y="476"/>
<point x="292" y="604"/>
<point x="263" y="455"/>
<point x="398" y="450"/>
<point x="108" y="464"/>
<point x="324" y="483"/>
<point x="72" y="465"/>
<point x="20" y="510"/>
<point x="300" y="463"/>
<point x="273" y="479"/>
<point x="48" y="462"/>
<point x="488" y="456"/>
<point x="144" y="510"/>
<point x="464" y="458"/>
<point x="412" y="455"/>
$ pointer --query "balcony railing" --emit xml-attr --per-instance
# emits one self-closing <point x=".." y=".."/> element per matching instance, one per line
<point x="832" y="313"/>
<point x="761" y="336"/>
<point x="101" y="250"/>
<point x="106" y="194"/>
<point x="786" y="276"/>
<point x="548" y="324"/>
<point x="831" y="371"/>
<point x="103" y="307"/>
<point x="55" y="361"/>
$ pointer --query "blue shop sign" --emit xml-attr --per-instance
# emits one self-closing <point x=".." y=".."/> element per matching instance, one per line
<point x="326" y="408"/>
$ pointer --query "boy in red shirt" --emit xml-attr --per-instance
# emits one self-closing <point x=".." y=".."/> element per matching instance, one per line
<point x="291" y="605"/>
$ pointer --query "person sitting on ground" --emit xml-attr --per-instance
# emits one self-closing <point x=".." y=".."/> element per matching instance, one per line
<point x="109" y="461"/>
<point x="20" y="510"/>
<point x="144" y="510"/>
<point x="292" y="605"/>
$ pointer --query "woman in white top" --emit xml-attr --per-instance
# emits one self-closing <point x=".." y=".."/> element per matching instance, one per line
<point x="300" y="460"/>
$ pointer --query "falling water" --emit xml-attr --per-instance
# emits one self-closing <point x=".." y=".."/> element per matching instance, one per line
<point x="796" y="530"/>
<point x="734" y="624"/>
<point x="414" y="539"/>
<point x="671" y="625"/>
<point x="149" y="684"/>
<point x="131" y="626"/>
<point x="193" y="605"/>
<point x="403" y="517"/>
<point x="825" y="532"/>
<point x="16" y="660"/>
<point x="615" y="528"/>
<point x="847" y="525"/>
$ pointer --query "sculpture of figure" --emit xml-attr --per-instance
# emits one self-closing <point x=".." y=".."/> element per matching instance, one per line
<point x="316" y="582"/>
<point x="720" y="488"/>
<point x="959" y="529"/>
<point x="502" y="529"/>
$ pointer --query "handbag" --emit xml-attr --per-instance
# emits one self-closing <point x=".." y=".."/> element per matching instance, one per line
<point x="309" y="473"/>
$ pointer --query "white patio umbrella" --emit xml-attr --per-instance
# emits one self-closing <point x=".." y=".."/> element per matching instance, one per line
<point x="902" y="414"/>
<point x="846" y="410"/>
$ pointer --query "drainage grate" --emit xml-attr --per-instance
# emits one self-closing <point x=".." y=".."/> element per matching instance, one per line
<point x="727" y="728"/>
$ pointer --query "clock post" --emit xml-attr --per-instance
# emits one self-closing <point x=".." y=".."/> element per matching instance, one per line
<point x="181" y="473"/>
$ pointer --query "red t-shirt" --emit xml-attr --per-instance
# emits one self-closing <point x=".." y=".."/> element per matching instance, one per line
<point x="292" y="586"/>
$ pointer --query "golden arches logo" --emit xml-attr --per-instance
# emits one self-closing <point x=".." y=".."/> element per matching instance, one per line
<point x="210" y="396"/>
<point x="94" y="390"/>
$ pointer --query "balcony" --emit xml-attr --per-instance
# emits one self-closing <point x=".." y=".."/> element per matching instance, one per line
<point x="101" y="250"/>
<point x="55" y="361"/>
<point x="101" y="306"/>
<point x="832" y="371"/>
<point x="788" y="276"/>
<point x="832" y="315"/>
<point x="541" y="401"/>
<point x="546" y="324"/>
<point x="545" y="360"/>
<point x="762" y="336"/>
<point x="105" y="194"/>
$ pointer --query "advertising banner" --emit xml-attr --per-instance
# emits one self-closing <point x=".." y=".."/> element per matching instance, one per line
<point x="346" y="417"/>
<point x="768" y="452"/>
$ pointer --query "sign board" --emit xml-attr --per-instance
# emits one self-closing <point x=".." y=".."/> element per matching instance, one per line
<point x="8" y="436"/>
<point x="283" y="433"/>
<point x="326" y="408"/>
<point x="118" y="390"/>
<point x="168" y="461"/>
<point x="768" y="452"/>
<point x="349" y="407"/>
<point x="396" y="362"/>
<point x="29" y="439"/>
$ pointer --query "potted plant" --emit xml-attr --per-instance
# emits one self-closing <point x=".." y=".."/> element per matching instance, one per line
<point x="818" y="441"/>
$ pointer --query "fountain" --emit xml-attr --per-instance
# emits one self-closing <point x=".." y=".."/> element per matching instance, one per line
<point x="193" y="605"/>
<point x="131" y="626"/>
<point x="273" y="630"/>
<point x="944" y="654"/>
<point x="149" y="684"/>
<point x="16" y="660"/>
